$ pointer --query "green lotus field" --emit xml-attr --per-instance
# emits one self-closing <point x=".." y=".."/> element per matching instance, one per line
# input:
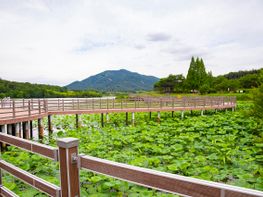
<point x="225" y="147"/>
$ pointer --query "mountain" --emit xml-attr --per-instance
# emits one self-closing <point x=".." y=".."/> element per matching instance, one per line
<point x="115" y="80"/>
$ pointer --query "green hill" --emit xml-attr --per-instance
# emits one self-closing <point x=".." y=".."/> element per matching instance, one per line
<point x="28" y="90"/>
<point x="115" y="80"/>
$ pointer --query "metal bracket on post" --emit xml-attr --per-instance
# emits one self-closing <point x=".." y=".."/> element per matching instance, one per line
<point x="74" y="158"/>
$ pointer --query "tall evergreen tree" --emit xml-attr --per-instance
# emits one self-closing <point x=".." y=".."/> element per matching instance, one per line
<point x="202" y="73"/>
<point x="191" y="78"/>
<point x="196" y="76"/>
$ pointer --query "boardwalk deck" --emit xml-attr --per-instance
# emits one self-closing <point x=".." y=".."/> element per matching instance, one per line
<point x="19" y="110"/>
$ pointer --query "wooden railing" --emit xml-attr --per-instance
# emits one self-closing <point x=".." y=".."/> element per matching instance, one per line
<point x="30" y="179"/>
<point x="18" y="108"/>
<point x="71" y="162"/>
<point x="36" y="108"/>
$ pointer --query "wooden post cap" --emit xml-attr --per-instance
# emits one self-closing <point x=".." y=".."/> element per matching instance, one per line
<point x="68" y="142"/>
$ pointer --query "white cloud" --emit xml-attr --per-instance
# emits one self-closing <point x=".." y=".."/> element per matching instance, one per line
<point x="58" y="42"/>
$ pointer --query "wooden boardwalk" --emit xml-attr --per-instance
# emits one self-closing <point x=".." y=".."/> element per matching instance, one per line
<point x="20" y="110"/>
<point x="15" y="112"/>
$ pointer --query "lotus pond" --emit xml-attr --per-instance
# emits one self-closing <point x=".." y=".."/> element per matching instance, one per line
<point x="225" y="147"/>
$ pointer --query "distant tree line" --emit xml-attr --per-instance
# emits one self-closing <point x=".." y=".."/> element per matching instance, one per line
<point x="28" y="90"/>
<point x="198" y="80"/>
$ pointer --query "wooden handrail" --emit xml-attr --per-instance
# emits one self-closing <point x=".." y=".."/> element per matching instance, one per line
<point x="32" y="180"/>
<point x="34" y="147"/>
<point x="167" y="182"/>
<point x="6" y="192"/>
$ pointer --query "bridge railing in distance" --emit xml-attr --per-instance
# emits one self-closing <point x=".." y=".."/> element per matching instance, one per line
<point x="147" y="102"/>
<point x="70" y="163"/>
<point x="37" y="108"/>
<point x="19" y="108"/>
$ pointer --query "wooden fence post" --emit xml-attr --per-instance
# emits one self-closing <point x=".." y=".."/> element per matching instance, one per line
<point x="39" y="106"/>
<point x="107" y="103"/>
<point x="45" y="105"/>
<point x="69" y="167"/>
<point x="63" y="105"/>
<point x="14" y="109"/>
<point x="31" y="129"/>
<point x="29" y="108"/>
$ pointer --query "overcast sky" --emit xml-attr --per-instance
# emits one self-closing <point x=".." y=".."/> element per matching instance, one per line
<point x="57" y="42"/>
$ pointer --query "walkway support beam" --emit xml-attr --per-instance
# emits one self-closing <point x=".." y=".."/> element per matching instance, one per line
<point x="50" y="127"/>
<point x="102" y="119"/>
<point x="40" y="128"/>
<point x="31" y="128"/>
<point x="127" y="118"/>
<point x="25" y="126"/>
<point x="107" y="118"/>
<point x="133" y="118"/>
<point x="158" y="116"/>
<point x="182" y="114"/>
<point x="77" y="121"/>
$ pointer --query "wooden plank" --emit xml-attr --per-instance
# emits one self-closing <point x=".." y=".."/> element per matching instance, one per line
<point x="167" y="182"/>
<point x="32" y="180"/>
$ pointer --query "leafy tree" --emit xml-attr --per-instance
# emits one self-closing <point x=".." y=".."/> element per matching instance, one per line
<point x="225" y="85"/>
<point x="173" y="83"/>
<point x="250" y="81"/>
